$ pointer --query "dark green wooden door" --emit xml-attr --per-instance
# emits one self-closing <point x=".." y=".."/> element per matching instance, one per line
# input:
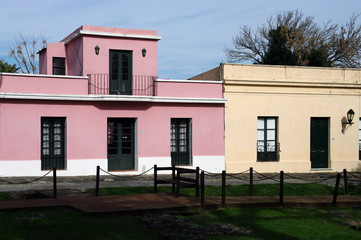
<point x="319" y="142"/>
<point x="52" y="143"/>
<point x="120" y="144"/>
<point x="120" y="77"/>
<point x="180" y="141"/>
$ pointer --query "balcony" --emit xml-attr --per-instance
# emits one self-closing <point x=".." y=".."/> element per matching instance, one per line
<point x="140" y="85"/>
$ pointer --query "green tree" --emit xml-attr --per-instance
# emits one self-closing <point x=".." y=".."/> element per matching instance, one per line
<point x="299" y="40"/>
<point x="5" y="67"/>
<point x="277" y="51"/>
<point x="24" y="52"/>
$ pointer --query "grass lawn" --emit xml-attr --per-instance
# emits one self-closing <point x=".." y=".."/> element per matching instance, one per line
<point x="287" y="223"/>
<point x="67" y="224"/>
<point x="239" y="190"/>
<point x="5" y="197"/>
<point x="277" y="223"/>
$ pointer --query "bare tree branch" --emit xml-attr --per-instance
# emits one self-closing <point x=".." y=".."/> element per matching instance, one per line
<point x="24" y="52"/>
<point x="340" y="43"/>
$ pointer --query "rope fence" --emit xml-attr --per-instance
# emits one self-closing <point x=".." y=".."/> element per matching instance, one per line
<point x="128" y="176"/>
<point x="194" y="178"/>
<point x="37" y="179"/>
<point x="97" y="181"/>
<point x="27" y="182"/>
<point x="281" y="178"/>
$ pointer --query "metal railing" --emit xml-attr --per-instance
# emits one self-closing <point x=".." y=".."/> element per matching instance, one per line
<point x="142" y="85"/>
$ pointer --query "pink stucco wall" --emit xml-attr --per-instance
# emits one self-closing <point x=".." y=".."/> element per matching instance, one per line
<point x="195" y="89"/>
<point x="43" y="62"/>
<point x="100" y="63"/>
<point x="14" y="83"/>
<point x="74" y="57"/>
<point x="87" y="127"/>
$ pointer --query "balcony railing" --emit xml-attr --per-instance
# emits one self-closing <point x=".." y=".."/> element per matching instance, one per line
<point x="141" y="85"/>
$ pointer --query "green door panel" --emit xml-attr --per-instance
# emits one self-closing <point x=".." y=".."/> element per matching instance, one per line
<point x="319" y="142"/>
<point x="180" y="141"/>
<point x="120" y="72"/>
<point x="120" y="144"/>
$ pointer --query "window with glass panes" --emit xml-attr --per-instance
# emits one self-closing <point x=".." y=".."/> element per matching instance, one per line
<point x="52" y="143"/>
<point x="267" y="146"/>
<point x="180" y="141"/>
<point x="58" y="66"/>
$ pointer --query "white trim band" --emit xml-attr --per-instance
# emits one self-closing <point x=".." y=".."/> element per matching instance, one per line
<point x="187" y="81"/>
<point x="109" y="98"/>
<point x="109" y="34"/>
<point x="43" y="75"/>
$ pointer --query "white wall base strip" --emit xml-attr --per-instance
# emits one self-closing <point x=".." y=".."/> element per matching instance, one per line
<point x="213" y="164"/>
<point x="86" y="167"/>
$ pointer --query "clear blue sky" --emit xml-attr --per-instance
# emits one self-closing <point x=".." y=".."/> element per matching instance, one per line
<point x="194" y="32"/>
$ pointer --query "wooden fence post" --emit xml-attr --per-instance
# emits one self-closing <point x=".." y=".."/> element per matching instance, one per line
<point x="335" y="193"/>
<point x="251" y="181"/>
<point x="97" y="182"/>
<point x="155" y="179"/>
<point x="345" y="181"/>
<point x="223" y="188"/>
<point x="281" y="187"/>
<point x="173" y="178"/>
<point x="54" y="183"/>
<point x="178" y="183"/>
<point x="197" y="182"/>
<point x="202" y="191"/>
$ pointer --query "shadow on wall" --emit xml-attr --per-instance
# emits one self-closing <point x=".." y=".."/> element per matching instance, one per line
<point x="358" y="168"/>
<point x="123" y="106"/>
<point x="345" y="125"/>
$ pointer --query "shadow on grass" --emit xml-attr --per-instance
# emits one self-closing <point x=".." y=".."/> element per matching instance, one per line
<point x="282" y="223"/>
<point x="239" y="190"/>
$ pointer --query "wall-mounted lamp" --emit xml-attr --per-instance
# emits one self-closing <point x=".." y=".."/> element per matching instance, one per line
<point x="144" y="52"/>
<point x="97" y="48"/>
<point x="350" y="115"/>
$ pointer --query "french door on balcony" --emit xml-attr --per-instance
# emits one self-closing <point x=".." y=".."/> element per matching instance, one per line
<point x="120" y="144"/>
<point x="120" y="76"/>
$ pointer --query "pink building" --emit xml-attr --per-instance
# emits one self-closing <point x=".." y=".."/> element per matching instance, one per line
<point x="98" y="101"/>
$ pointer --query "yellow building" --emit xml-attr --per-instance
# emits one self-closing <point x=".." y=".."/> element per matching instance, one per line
<point x="290" y="118"/>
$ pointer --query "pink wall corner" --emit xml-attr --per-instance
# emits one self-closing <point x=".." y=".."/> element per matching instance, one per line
<point x="43" y="61"/>
<point x="100" y="63"/>
<point x="75" y="58"/>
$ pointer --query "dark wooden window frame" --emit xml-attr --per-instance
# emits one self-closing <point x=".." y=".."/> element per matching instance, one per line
<point x="53" y="143"/>
<point x="263" y="154"/>
<point x="181" y="141"/>
<point x="123" y="75"/>
<point x="58" y="66"/>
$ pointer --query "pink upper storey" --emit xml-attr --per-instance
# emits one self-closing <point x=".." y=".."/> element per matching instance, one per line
<point x="80" y="57"/>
